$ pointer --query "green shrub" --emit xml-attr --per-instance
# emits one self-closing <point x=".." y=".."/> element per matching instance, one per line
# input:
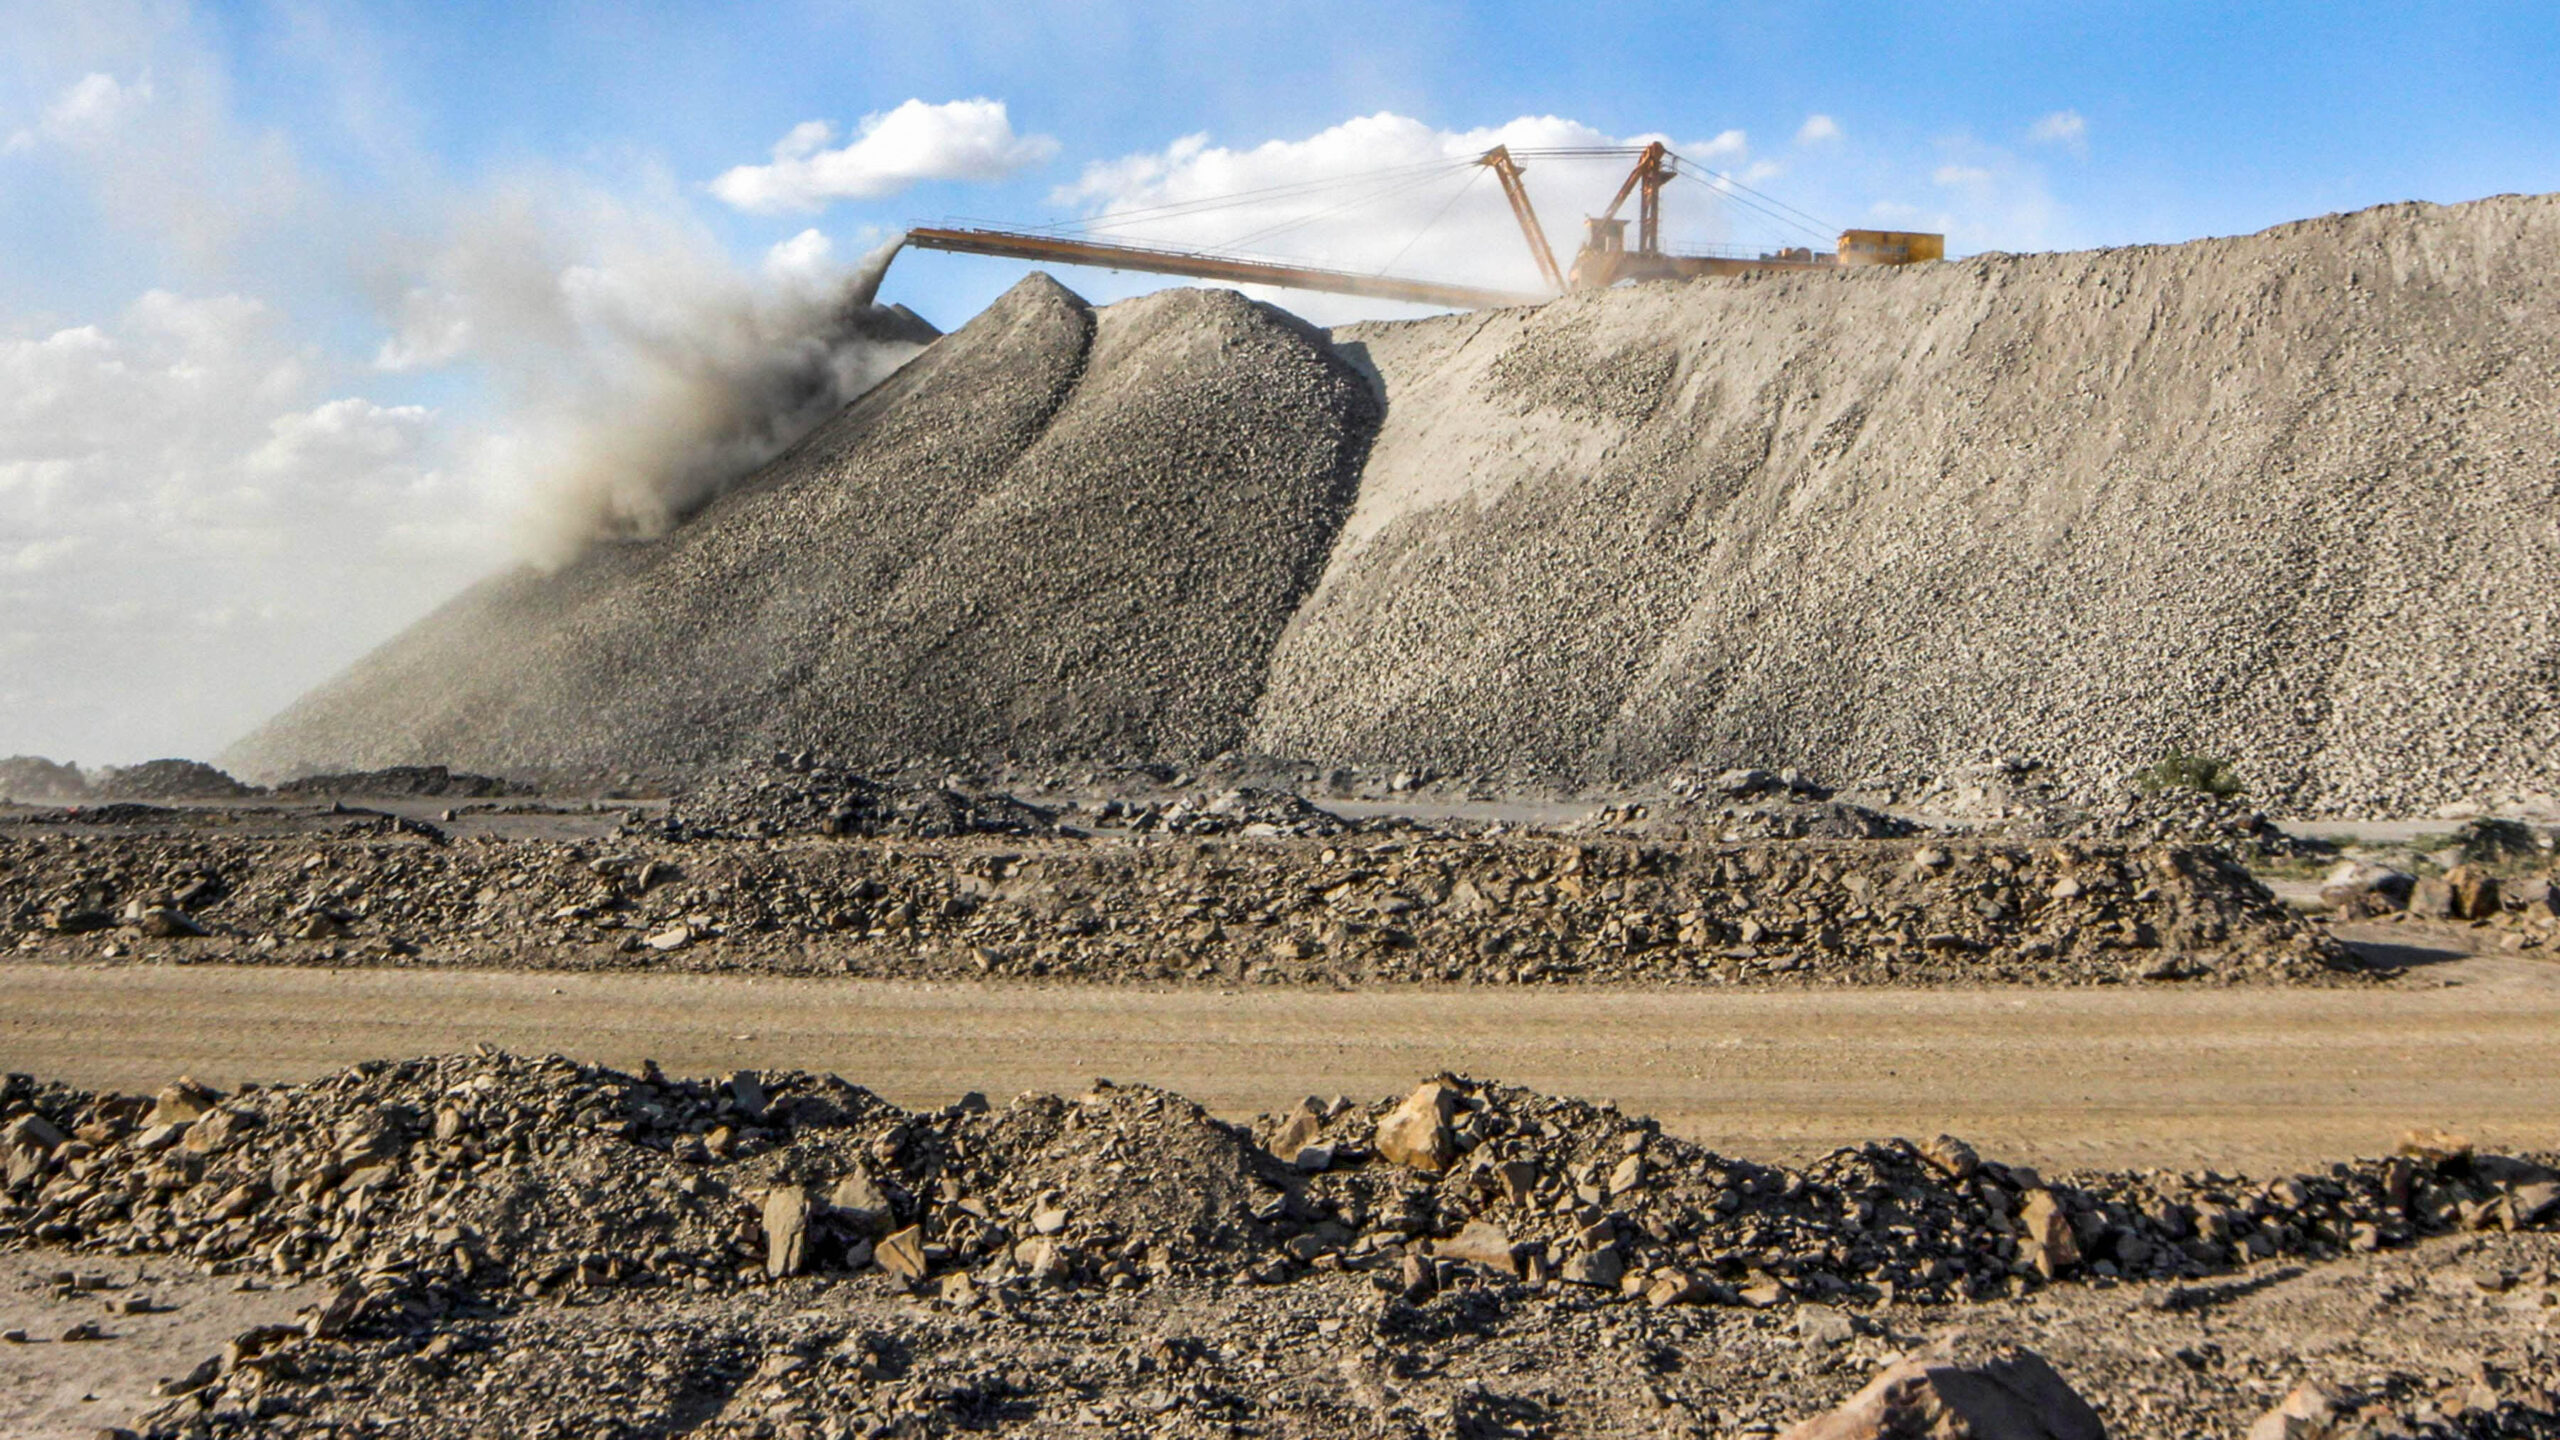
<point x="2489" y="842"/>
<point x="2178" y="770"/>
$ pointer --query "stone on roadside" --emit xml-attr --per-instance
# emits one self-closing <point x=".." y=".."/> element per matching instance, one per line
<point x="31" y="1132"/>
<point x="1628" y="1175"/>
<point x="2045" y="1237"/>
<point x="2016" y="1396"/>
<point x="2532" y="1204"/>
<point x="182" y="1101"/>
<point x="2309" y="1413"/>
<point x="1482" y="1243"/>
<point x="1823" y="1325"/>
<point x="1299" y="1131"/>
<point x="902" y="1254"/>
<point x="1601" y="1268"/>
<point x="330" y="1318"/>
<point x="2472" y="891"/>
<point x="1040" y="1259"/>
<point x="1416" y="1134"/>
<point x="162" y="922"/>
<point x="1952" y="1157"/>
<point x="786" y="1231"/>
<point x="858" y="1202"/>
<point x="2431" y="899"/>
<point x="1676" y="1287"/>
<point x="2353" y="888"/>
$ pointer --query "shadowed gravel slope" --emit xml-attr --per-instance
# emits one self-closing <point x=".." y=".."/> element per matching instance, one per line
<point x="1050" y="533"/>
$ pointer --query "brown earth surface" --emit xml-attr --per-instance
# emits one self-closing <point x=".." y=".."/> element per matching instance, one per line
<point x="2257" y="1079"/>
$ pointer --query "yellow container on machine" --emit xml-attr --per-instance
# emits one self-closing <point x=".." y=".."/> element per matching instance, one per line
<point x="1890" y="247"/>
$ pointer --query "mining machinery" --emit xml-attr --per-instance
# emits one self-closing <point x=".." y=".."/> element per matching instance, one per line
<point x="1605" y="258"/>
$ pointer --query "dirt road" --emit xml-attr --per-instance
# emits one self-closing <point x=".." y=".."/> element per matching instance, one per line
<point x="2232" y="1078"/>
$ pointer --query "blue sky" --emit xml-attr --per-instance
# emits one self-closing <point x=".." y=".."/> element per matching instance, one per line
<point x="282" y="337"/>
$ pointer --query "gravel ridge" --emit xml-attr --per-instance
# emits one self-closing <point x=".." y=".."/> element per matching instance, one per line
<point x="2269" y="498"/>
<point x="436" y="1200"/>
<point x="1198" y="910"/>
<point x="1054" y="532"/>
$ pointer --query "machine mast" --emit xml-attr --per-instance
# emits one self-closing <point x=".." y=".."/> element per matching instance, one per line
<point x="1604" y="259"/>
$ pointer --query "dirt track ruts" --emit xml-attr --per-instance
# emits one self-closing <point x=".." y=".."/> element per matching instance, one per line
<point x="2255" y="1079"/>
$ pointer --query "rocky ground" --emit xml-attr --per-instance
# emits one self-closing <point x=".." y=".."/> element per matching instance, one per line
<point x="1166" y="893"/>
<point x="486" y="1239"/>
<point x="495" y="1244"/>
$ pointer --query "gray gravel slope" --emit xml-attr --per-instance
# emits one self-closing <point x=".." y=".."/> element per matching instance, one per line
<point x="2286" y="498"/>
<point x="1043" y="535"/>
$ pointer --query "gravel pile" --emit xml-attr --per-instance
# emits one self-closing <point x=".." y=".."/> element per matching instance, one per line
<point x="1745" y="805"/>
<point x="1055" y="533"/>
<point x="168" y="780"/>
<point x="32" y="777"/>
<point x="1260" y="814"/>
<point x="2190" y="817"/>
<point x="801" y="794"/>
<point x="444" y="1204"/>
<point x="1383" y="910"/>
<point x="2257" y="497"/>
<point x="402" y="780"/>
<point x="2254" y="497"/>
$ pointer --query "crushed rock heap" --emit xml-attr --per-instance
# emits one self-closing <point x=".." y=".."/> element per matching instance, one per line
<point x="799" y="793"/>
<point x="2254" y="497"/>
<point x="1056" y="532"/>
<point x="434" y="1199"/>
<point x="1353" y="910"/>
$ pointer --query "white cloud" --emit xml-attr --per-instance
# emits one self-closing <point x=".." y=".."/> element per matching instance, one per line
<point x="84" y="114"/>
<point x="802" y="259"/>
<point x="91" y="105"/>
<point x="963" y="140"/>
<point x="208" y="452"/>
<point x="2062" y="127"/>
<point x="141" y="115"/>
<point x="1323" y="200"/>
<point x="348" y="435"/>
<point x="180" y="460"/>
<point x="1728" y="145"/>
<point x="1960" y="175"/>
<point x="1816" y="129"/>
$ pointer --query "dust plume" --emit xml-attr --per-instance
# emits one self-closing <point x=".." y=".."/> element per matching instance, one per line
<point x="636" y="370"/>
<point x="684" y="410"/>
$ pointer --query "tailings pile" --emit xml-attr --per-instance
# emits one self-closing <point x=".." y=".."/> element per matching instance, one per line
<point x="801" y="794"/>
<point x="1055" y="533"/>
<point x="787" y="1253"/>
<point x="2260" y="497"/>
<point x="1214" y="911"/>
<point x="2263" y="498"/>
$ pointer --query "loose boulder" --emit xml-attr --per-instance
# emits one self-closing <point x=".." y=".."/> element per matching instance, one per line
<point x="1417" y="1134"/>
<point x="2013" y="1396"/>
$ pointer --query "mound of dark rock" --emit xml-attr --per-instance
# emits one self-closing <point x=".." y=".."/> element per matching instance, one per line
<point x="1746" y="804"/>
<point x="1249" y="812"/>
<point x="2173" y="816"/>
<point x="32" y="777"/>
<point x="798" y="794"/>
<point x="438" y="1200"/>
<point x="1057" y="534"/>
<point x="405" y="780"/>
<point x="170" y="780"/>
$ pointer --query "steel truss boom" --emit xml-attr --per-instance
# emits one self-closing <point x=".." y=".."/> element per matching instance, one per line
<point x="1016" y="245"/>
